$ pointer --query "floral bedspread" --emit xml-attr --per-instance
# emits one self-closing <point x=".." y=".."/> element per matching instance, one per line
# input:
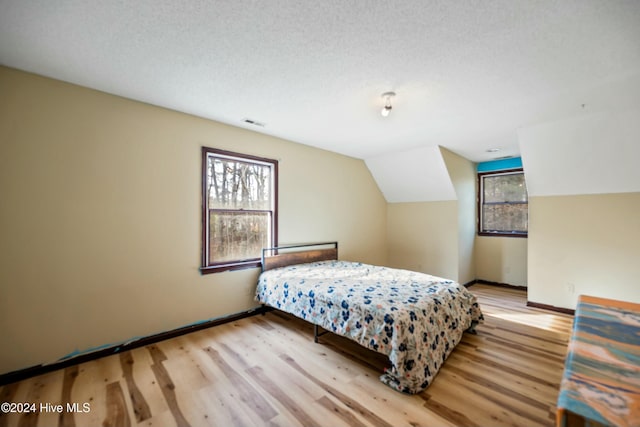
<point x="414" y="318"/>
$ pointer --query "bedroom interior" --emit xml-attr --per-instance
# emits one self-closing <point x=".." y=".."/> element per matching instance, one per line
<point x="101" y="209"/>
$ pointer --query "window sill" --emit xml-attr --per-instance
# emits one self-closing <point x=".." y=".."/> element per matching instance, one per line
<point x="499" y="234"/>
<point x="230" y="267"/>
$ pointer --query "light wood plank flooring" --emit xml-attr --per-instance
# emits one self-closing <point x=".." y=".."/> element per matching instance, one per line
<point x="266" y="370"/>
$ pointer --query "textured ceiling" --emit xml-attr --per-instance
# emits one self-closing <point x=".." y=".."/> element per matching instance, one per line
<point x="468" y="74"/>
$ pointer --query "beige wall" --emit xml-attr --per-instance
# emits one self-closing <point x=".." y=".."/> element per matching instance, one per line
<point x="423" y="237"/>
<point x="501" y="259"/>
<point x="100" y="217"/>
<point x="463" y="176"/>
<point x="437" y="237"/>
<point x="588" y="244"/>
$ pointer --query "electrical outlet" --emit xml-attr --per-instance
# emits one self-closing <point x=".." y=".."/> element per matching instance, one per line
<point x="571" y="288"/>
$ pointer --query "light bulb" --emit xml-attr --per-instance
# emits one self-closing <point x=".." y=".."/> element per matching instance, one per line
<point x="387" y="103"/>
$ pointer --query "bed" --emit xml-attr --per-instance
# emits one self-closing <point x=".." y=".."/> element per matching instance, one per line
<point x="414" y="318"/>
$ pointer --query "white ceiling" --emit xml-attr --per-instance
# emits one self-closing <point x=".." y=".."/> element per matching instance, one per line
<point x="468" y="74"/>
<point x="417" y="175"/>
<point x="593" y="154"/>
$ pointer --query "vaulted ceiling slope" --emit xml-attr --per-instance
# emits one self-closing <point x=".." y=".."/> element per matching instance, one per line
<point x="418" y="175"/>
<point x="591" y="154"/>
<point x="468" y="74"/>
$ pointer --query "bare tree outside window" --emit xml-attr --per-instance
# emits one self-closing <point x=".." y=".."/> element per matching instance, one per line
<point x="239" y="198"/>
<point x="504" y="208"/>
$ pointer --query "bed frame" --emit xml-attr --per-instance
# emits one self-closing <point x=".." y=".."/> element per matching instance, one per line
<point x="282" y="256"/>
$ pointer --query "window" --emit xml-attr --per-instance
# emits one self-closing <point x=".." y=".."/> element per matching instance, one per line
<point x="503" y="204"/>
<point x="239" y="216"/>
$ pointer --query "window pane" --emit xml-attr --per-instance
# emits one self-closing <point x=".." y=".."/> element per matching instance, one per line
<point x="505" y="188"/>
<point x="505" y="217"/>
<point x="238" y="236"/>
<point x="234" y="184"/>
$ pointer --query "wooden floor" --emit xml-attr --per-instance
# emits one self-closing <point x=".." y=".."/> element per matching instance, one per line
<point x="266" y="370"/>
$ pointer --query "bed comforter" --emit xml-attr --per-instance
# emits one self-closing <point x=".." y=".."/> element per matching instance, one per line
<point x="414" y="318"/>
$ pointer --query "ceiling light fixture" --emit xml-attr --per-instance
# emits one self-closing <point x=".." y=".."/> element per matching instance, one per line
<point x="387" y="103"/>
